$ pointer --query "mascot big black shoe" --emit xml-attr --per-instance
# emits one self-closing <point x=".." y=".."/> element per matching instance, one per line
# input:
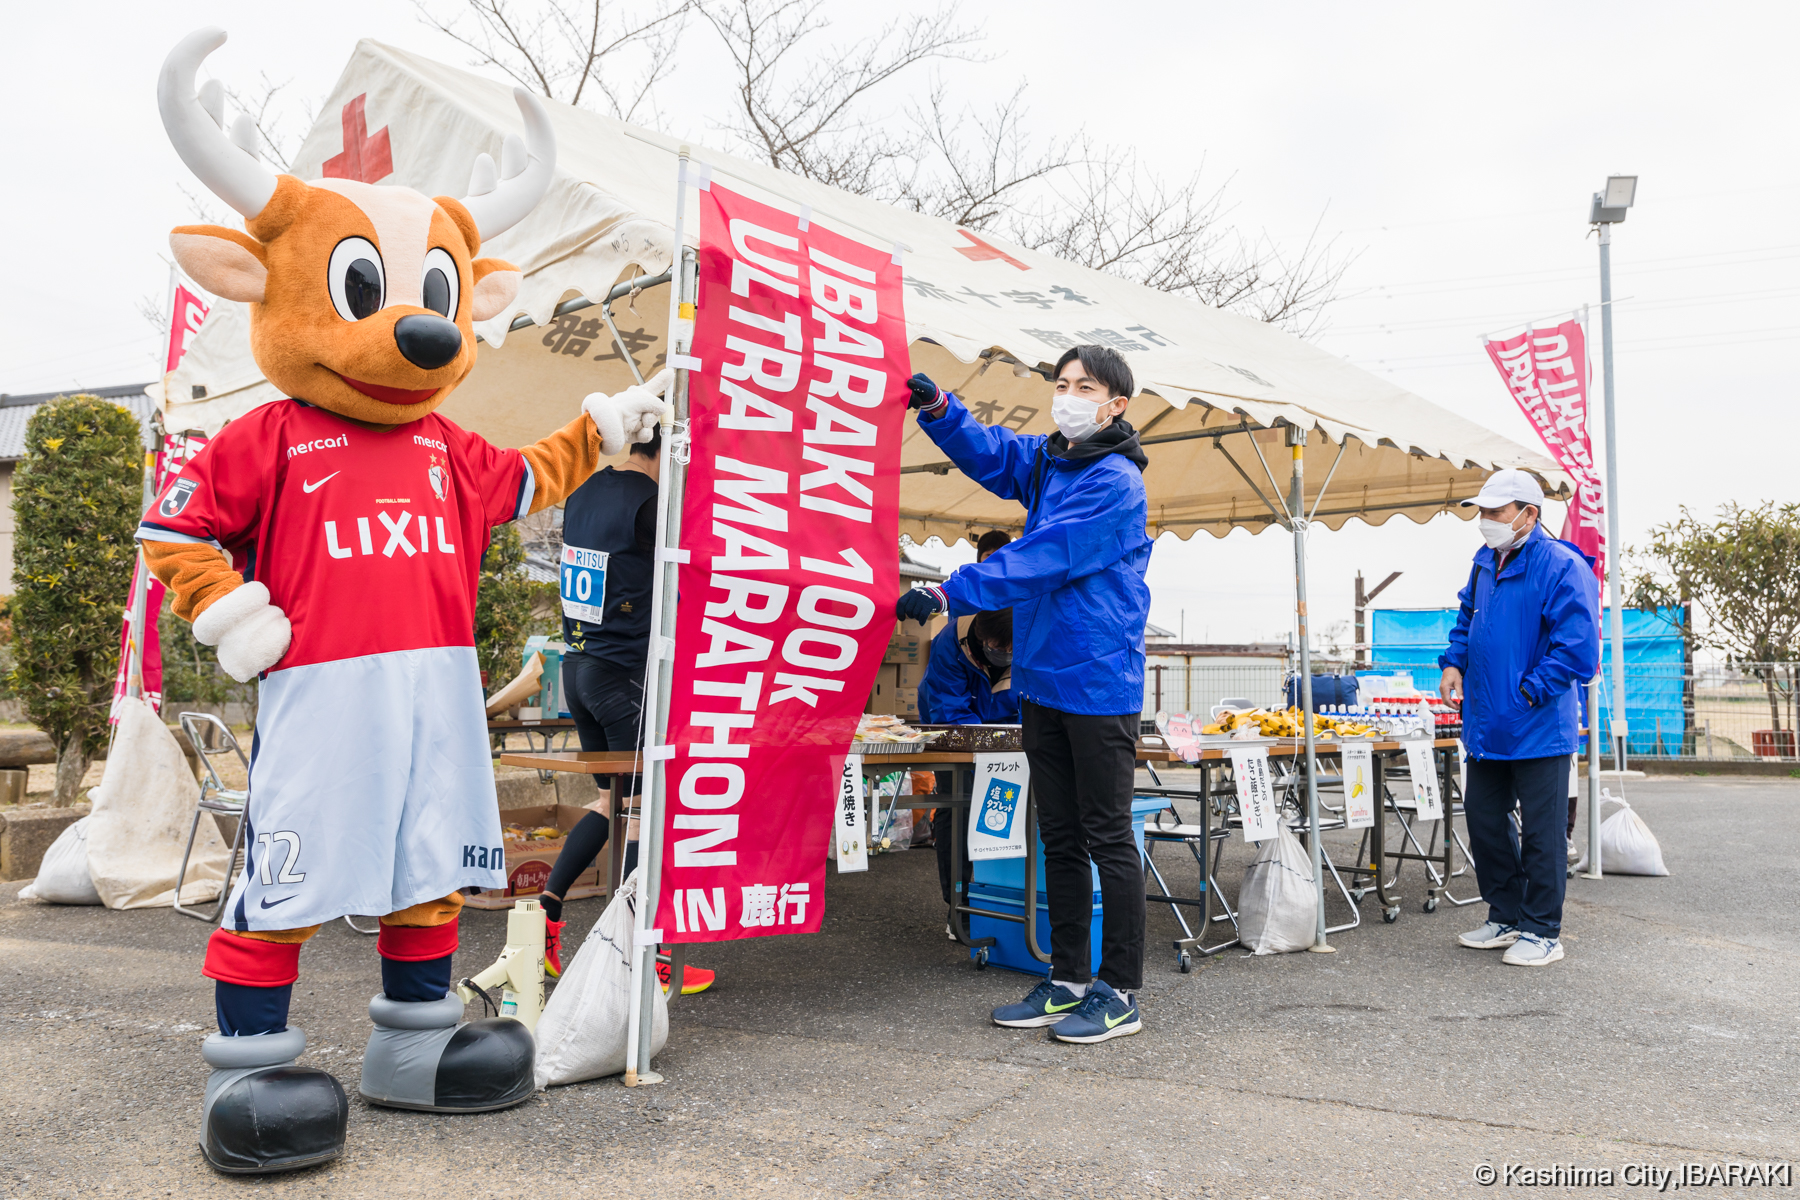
<point x="330" y="543"/>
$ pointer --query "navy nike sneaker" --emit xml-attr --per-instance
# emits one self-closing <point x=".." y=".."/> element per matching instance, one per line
<point x="1046" y="1004"/>
<point x="1101" y="1015"/>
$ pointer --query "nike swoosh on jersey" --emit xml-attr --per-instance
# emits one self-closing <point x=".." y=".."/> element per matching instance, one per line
<point x="310" y="488"/>
<point x="273" y="903"/>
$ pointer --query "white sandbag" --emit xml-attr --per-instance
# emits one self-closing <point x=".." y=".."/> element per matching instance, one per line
<point x="139" y="825"/>
<point x="583" y="1030"/>
<point x="1627" y="847"/>
<point x="63" y="877"/>
<point x="1278" y="908"/>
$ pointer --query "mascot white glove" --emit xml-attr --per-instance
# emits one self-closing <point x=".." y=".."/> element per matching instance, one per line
<point x="632" y="415"/>
<point x="251" y="633"/>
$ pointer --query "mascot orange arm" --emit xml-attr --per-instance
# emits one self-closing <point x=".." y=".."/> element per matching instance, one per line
<point x="199" y="575"/>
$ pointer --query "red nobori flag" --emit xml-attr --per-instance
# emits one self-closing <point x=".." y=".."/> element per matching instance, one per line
<point x="791" y="518"/>
<point x="1546" y="371"/>
<point x="189" y="314"/>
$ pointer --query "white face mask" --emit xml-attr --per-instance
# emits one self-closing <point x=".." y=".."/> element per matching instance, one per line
<point x="1077" y="418"/>
<point x="1499" y="535"/>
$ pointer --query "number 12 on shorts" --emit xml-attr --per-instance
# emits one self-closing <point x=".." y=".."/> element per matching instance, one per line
<point x="583" y="583"/>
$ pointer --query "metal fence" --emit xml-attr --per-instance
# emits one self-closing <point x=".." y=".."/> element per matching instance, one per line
<point x="1725" y="711"/>
<point x="1721" y="711"/>
<point x="1196" y="687"/>
<point x="1700" y="710"/>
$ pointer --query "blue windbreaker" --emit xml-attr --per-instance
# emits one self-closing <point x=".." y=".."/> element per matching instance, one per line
<point x="1074" y="579"/>
<point x="1525" y="642"/>
<point x="957" y="692"/>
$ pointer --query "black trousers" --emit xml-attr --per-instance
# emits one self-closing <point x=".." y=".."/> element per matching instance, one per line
<point x="607" y="706"/>
<point x="1523" y="873"/>
<point x="1082" y="772"/>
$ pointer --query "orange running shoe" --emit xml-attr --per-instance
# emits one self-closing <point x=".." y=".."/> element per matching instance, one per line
<point x="553" y="948"/>
<point x="693" y="979"/>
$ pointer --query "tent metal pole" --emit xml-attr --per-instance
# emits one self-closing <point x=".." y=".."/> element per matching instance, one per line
<point x="672" y="474"/>
<point x="1595" y="868"/>
<point x="1615" y="582"/>
<point x="577" y="303"/>
<point x="1296" y="440"/>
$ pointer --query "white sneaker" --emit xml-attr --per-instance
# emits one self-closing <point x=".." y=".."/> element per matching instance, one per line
<point x="1533" y="951"/>
<point x="1492" y="936"/>
<point x="1574" y="850"/>
<point x="949" y="932"/>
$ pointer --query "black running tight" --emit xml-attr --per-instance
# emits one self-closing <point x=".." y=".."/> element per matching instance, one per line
<point x="584" y="844"/>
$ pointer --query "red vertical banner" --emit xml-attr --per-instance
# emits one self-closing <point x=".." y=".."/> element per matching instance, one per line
<point x="1546" y="372"/>
<point x="177" y="451"/>
<point x="791" y="523"/>
<point x="189" y="314"/>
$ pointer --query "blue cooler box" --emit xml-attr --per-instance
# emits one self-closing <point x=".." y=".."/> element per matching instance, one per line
<point x="1000" y="885"/>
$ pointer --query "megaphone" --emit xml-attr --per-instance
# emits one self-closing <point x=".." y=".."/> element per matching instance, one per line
<point x="518" y="972"/>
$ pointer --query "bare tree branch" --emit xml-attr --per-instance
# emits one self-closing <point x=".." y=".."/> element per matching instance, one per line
<point x="263" y="103"/>
<point x="800" y="114"/>
<point x="572" y="51"/>
<point x="810" y="108"/>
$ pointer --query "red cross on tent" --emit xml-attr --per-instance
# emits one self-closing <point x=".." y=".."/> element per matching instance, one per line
<point x="365" y="158"/>
<point x="980" y="251"/>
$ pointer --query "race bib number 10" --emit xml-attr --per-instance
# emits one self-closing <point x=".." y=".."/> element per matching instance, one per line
<point x="583" y="584"/>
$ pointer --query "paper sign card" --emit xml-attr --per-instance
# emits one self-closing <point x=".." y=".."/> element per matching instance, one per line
<point x="997" y="810"/>
<point x="1422" y="765"/>
<point x="1359" y="785"/>
<point x="851" y="829"/>
<point x="1256" y="792"/>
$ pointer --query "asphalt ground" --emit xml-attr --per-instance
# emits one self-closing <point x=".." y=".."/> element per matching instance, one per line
<point x="860" y="1060"/>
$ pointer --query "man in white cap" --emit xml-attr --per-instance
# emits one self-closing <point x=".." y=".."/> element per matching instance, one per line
<point x="1527" y="638"/>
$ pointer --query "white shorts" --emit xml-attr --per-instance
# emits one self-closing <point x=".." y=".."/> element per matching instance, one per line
<point x="371" y="790"/>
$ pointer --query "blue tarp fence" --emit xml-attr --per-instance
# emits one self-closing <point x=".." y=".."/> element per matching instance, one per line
<point x="1409" y="641"/>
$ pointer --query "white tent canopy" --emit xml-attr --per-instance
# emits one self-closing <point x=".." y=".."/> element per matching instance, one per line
<point x="984" y="317"/>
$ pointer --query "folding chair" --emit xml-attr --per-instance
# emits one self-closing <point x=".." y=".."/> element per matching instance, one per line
<point x="209" y="737"/>
<point x="1439" y="865"/>
<point x="1290" y="789"/>
<point x="1167" y="828"/>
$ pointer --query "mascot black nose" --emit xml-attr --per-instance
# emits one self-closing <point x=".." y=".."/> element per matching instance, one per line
<point x="428" y="342"/>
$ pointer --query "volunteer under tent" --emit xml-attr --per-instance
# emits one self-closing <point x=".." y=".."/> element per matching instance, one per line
<point x="1220" y="394"/>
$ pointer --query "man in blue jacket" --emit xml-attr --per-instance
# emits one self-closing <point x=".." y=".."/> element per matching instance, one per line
<point x="967" y="682"/>
<point x="1527" y="638"/>
<point x="1075" y="583"/>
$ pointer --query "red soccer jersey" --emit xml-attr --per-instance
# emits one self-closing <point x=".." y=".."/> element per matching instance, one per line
<point x="369" y="542"/>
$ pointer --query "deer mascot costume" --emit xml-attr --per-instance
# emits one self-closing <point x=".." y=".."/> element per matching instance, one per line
<point x="331" y="543"/>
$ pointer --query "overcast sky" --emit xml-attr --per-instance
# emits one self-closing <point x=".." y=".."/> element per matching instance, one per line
<point x="1453" y="148"/>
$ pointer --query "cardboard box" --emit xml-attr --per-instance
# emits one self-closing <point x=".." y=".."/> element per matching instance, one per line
<point x="910" y="674"/>
<point x="882" y="697"/>
<point x="528" y="863"/>
<point x="906" y="701"/>
<point x="906" y="647"/>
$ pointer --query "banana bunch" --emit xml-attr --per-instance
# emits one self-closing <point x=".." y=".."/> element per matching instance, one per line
<point x="1283" y="723"/>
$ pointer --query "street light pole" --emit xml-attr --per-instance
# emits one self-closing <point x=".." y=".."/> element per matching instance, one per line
<point x="1609" y="210"/>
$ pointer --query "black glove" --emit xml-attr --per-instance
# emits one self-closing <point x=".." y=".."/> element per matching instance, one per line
<point x="921" y="603"/>
<point x="924" y="392"/>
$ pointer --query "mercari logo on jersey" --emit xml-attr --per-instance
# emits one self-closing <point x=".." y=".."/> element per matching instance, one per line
<point x="330" y="443"/>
